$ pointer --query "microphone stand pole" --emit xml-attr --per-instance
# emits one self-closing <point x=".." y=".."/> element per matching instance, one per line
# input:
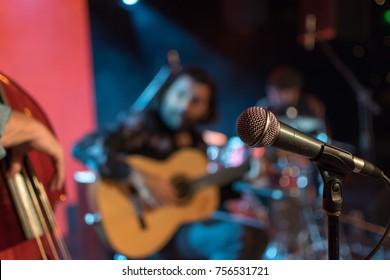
<point x="332" y="200"/>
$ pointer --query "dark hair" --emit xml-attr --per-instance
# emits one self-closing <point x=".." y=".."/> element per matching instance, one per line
<point x="285" y="76"/>
<point x="199" y="75"/>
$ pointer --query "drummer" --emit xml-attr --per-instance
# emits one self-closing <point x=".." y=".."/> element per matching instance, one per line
<point x="285" y="96"/>
<point x="287" y="100"/>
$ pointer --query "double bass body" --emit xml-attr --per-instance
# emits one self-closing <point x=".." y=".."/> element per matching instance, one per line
<point x="27" y="223"/>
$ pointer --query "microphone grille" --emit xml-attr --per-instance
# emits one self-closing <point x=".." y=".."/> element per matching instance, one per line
<point x="257" y="127"/>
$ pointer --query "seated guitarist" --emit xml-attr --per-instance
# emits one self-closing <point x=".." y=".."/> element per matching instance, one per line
<point x="186" y="101"/>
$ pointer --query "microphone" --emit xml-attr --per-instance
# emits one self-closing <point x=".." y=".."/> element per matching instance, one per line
<point x="258" y="127"/>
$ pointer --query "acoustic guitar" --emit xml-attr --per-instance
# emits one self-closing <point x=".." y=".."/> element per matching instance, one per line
<point x="198" y="199"/>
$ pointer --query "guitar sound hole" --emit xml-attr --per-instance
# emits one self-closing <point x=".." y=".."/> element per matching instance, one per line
<point x="183" y="188"/>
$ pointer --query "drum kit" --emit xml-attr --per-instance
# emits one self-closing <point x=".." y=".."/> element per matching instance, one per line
<point x="285" y="194"/>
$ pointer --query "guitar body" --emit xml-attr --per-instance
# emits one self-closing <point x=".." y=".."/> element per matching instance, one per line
<point x="119" y="219"/>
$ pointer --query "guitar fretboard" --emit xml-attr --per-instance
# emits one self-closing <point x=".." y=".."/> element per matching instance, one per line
<point x="221" y="177"/>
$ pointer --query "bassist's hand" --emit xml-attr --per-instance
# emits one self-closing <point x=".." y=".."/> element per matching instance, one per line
<point x="22" y="134"/>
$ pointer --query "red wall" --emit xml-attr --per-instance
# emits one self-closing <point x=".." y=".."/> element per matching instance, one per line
<point x="45" y="48"/>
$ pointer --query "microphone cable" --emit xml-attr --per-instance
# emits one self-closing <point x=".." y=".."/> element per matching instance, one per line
<point x="387" y="230"/>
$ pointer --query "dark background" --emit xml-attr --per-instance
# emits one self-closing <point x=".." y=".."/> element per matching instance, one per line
<point x="238" y="42"/>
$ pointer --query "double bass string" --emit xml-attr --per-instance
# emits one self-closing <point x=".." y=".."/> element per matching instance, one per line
<point x="50" y="223"/>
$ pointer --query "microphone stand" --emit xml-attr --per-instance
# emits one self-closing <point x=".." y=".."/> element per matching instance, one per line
<point x="367" y="107"/>
<point x="332" y="200"/>
<point x="158" y="81"/>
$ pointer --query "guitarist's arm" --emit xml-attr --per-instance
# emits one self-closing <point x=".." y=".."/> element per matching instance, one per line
<point x="102" y="150"/>
<point x="152" y="190"/>
<point x="106" y="152"/>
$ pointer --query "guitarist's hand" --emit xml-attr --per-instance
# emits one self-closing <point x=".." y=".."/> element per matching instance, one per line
<point x="153" y="190"/>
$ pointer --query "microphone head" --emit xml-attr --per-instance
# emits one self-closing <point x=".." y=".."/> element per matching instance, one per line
<point x="257" y="127"/>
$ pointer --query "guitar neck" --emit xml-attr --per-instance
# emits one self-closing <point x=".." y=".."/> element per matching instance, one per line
<point x="221" y="177"/>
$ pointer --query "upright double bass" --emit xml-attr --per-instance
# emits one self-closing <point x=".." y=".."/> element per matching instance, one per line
<point x="28" y="228"/>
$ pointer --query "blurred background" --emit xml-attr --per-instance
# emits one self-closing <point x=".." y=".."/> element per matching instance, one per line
<point x="86" y="61"/>
<point x="239" y="42"/>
